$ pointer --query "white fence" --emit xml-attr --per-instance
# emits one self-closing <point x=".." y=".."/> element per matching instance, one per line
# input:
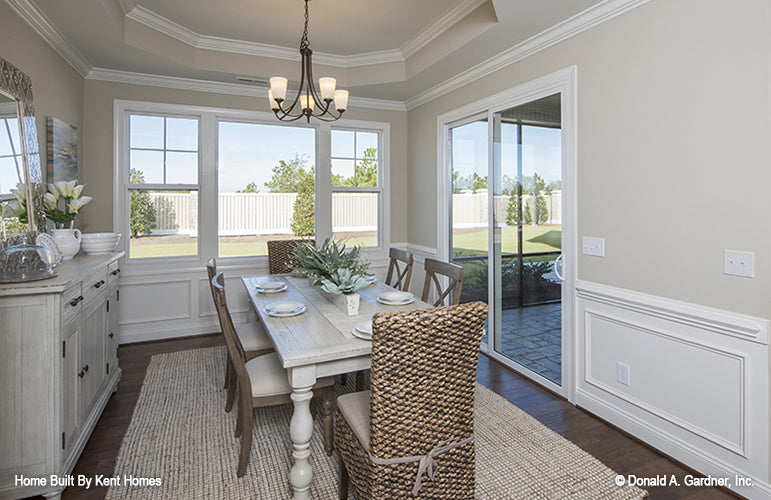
<point x="271" y="213"/>
<point x="470" y="210"/>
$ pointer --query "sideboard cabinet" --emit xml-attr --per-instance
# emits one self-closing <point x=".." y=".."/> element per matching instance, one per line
<point x="58" y="369"/>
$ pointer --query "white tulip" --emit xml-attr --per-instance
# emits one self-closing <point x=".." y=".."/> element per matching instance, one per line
<point x="49" y="201"/>
<point x="77" y="190"/>
<point x="20" y="193"/>
<point x="61" y="186"/>
<point x="54" y="191"/>
<point x="16" y="209"/>
<point x="76" y="204"/>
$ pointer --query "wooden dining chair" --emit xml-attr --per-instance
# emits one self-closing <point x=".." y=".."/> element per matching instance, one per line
<point x="400" y="269"/>
<point x="419" y="411"/>
<point x="280" y="255"/>
<point x="262" y="381"/>
<point x="252" y="337"/>
<point x="454" y="273"/>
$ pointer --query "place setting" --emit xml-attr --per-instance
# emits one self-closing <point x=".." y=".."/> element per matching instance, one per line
<point x="285" y="309"/>
<point x="363" y="330"/>
<point x="271" y="287"/>
<point x="396" y="298"/>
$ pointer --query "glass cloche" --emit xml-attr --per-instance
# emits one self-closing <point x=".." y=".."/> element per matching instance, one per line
<point x="22" y="260"/>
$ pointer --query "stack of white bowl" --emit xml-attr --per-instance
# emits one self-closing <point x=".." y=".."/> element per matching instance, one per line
<point x="99" y="243"/>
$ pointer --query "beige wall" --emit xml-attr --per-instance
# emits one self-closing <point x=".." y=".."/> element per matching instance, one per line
<point x="57" y="89"/>
<point x="98" y="143"/>
<point x="673" y="103"/>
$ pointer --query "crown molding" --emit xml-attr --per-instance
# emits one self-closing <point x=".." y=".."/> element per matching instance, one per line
<point x="170" y="28"/>
<point x="446" y="21"/>
<point x="173" y="82"/>
<point x="127" y="5"/>
<point x="570" y="27"/>
<point x="32" y="15"/>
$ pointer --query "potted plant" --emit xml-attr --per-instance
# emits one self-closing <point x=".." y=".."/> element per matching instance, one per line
<point x="344" y="284"/>
<point x="65" y="194"/>
<point x="319" y="263"/>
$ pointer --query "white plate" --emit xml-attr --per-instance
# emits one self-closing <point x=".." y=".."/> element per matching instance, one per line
<point x="362" y="336"/>
<point x="365" y="328"/>
<point x="271" y="287"/>
<point x="285" y="309"/>
<point x="47" y="241"/>
<point x="396" y="298"/>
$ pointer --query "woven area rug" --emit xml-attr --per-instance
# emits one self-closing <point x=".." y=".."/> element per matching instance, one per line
<point x="180" y="434"/>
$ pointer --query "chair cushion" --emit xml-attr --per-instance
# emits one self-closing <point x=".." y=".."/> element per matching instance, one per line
<point x="253" y="336"/>
<point x="355" y="408"/>
<point x="269" y="378"/>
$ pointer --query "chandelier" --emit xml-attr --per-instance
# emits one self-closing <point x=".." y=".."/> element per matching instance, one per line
<point x="308" y="103"/>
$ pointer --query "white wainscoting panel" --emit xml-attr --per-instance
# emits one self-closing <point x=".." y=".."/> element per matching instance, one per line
<point x="159" y="301"/>
<point x="698" y="379"/>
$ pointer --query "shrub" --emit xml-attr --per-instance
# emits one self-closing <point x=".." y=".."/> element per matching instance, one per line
<point x="303" y="215"/>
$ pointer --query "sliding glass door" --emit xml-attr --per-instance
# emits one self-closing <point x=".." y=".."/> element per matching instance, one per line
<point x="506" y="230"/>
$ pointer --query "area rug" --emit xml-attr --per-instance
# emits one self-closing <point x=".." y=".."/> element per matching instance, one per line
<point x="180" y="444"/>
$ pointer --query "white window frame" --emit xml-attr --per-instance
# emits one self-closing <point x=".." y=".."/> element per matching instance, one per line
<point x="209" y="119"/>
<point x="8" y="112"/>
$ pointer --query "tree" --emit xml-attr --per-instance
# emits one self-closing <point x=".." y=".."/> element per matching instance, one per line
<point x="512" y="210"/>
<point x="291" y="177"/>
<point x="142" y="212"/>
<point x="250" y="188"/>
<point x="304" y="214"/>
<point x="477" y="182"/>
<point x="365" y="173"/>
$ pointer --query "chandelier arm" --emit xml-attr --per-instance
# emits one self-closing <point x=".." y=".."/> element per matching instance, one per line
<point x="284" y="116"/>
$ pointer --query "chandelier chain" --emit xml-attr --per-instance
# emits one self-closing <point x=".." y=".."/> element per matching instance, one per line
<point x="304" y="43"/>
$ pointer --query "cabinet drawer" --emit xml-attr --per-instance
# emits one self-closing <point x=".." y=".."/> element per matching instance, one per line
<point x="93" y="284"/>
<point x="113" y="273"/>
<point x="72" y="301"/>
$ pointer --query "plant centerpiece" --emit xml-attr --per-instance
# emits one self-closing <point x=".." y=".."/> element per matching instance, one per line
<point x="336" y="270"/>
<point x="61" y="204"/>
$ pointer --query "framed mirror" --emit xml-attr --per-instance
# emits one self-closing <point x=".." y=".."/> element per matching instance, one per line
<point x="19" y="150"/>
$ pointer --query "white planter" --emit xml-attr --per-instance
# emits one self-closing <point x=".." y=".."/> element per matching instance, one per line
<point x="349" y="303"/>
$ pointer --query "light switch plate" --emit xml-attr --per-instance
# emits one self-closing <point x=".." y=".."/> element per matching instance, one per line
<point x="739" y="263"/>
<point x="593" y="246"/>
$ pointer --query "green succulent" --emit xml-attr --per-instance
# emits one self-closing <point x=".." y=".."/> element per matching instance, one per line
<point x="344" y="281"/>
<point x="321" y="262"/>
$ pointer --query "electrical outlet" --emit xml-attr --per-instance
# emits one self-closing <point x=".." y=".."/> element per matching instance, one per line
<point x="623" y="373"/>
<point x="739" y="263"/>
<point x="593" y="246"/>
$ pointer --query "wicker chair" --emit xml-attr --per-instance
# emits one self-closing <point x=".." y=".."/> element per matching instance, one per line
<point x="401" y="275"/>
<point x="454" y="272"/>
<point x="252" y="337"/>
<point x="412" y="434"/>
<point x="262" y="382"/>
<point x="280" y="255"/>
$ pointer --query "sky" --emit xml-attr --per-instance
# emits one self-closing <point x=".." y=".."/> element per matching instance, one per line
<point x="541" y="151"/>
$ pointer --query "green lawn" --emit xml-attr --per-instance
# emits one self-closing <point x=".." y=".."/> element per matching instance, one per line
<point x="535" y="238"/>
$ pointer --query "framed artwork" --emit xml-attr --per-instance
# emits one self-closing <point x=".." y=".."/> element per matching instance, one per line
<point x="62" y="142"/>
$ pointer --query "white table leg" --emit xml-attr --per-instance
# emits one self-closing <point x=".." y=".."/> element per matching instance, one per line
<point x="302" y="380"/>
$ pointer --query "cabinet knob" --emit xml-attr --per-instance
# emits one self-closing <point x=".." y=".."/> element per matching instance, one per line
<point x="85" y="368"/>
<point x="98" y="283"/>
<point x="76" y="300"/>
<point x="111" y="335"/>
<point x="115" y="273"/>
<point x="81" y="373"/>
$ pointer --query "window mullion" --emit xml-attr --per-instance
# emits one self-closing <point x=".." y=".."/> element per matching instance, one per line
<point x="208" y="208"/>
<point x="324" y="183"/>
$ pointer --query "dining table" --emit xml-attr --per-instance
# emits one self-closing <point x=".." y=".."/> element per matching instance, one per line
<point x="318" y="342"/>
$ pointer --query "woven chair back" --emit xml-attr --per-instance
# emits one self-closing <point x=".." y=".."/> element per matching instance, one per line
<point x="235" y="348"/>
<point x="280" y="255"/>
<point x="424" y="367"/>
<point x="453" y="272"/>
<point x="399" y="269"/>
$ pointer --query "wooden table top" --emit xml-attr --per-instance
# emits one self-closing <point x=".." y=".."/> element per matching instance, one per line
<point x="322" y="333"/>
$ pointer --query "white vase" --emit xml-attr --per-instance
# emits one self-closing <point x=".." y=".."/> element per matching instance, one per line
<point x="68" y="241"/>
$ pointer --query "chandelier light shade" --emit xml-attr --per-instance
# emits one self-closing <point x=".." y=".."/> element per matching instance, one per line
<point x="308" y="102"/>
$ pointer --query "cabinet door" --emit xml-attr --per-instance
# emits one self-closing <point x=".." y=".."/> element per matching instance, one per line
<point x="92" y="351"/>
<point x="71" y="378"/>
<point x="111" y="342"/>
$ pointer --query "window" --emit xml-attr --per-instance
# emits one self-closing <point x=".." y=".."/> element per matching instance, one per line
<point x="163" y="186"/>
<point x="266" y="185"/>
<point x="203" y="182"/>
<point x="11" y="167"/>
<point x="356" y="187"/>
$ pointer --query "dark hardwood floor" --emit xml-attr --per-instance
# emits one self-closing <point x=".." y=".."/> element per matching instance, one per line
<point x="617" y="450"/>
